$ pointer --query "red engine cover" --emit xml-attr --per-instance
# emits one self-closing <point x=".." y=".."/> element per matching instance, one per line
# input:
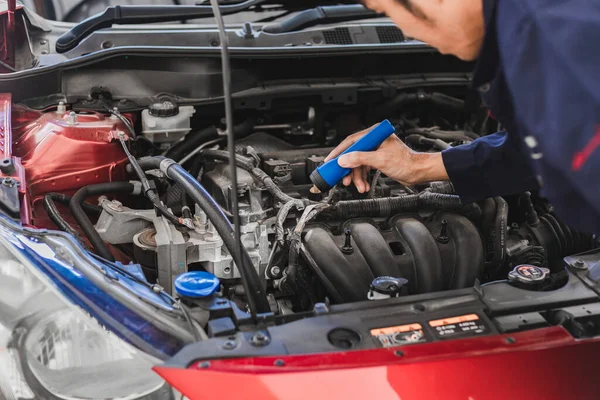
<point x="61" y="153"/>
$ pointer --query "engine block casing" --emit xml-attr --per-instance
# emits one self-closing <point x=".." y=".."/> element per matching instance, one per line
<point x="445" y="251"/>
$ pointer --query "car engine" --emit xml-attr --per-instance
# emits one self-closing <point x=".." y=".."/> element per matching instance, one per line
<point x="73" y="173"/>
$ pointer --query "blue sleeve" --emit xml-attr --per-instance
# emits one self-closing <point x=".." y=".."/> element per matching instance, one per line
<point x="490" y="166"/>
<point x="551" y="61"/>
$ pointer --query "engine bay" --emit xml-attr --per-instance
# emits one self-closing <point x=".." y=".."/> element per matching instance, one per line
<point x="73" y="173"/>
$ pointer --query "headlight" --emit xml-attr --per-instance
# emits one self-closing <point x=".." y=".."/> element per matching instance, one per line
<point x="51" y="349"/>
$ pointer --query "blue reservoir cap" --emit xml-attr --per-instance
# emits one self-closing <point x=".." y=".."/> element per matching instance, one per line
<point x="196" y="284"/>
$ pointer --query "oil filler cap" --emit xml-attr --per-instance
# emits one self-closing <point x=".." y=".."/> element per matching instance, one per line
<point x="384" y="287"/>
<point x="196" y="284"/>
<point x="528" y="274"/>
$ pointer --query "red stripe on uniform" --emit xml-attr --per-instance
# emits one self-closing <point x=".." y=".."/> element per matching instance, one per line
<point x="581" y="157"/>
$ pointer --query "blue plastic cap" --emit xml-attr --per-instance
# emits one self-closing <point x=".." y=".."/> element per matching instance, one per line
<point x="196" y="284"/>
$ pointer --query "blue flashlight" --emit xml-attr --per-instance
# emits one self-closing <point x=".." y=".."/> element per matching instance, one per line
<point x="329" y="174"/>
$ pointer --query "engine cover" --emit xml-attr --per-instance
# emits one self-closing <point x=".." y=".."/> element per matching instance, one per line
<point x="442" y="252"/>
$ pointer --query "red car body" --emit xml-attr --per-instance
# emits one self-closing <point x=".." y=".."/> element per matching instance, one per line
<point x="545" y="363"/>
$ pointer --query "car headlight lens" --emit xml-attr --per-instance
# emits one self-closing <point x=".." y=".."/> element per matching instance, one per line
<point x="54" y="350"/>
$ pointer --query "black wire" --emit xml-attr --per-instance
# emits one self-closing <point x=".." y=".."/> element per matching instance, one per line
<point x="226" y="67"/>
<point x="148" y="191"/>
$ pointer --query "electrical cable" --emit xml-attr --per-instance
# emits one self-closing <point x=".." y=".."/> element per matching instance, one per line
<point x="374" y="183"/>
<point x="227" y="96"/>
<point x="149" y="190"/>
<point x="199" y="149"/>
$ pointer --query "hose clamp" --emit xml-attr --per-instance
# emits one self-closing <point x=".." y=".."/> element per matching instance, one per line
<point x="137" y="187"/>
<point x="165" y="165"/>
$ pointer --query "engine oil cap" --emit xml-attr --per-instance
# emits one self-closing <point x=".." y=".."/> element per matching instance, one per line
<point x="196" y="284"/>
<point x="530" y="274"/>
<point x="384" y="287"/>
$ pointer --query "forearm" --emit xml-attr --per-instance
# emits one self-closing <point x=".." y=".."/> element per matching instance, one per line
<point x="427" y="167"/>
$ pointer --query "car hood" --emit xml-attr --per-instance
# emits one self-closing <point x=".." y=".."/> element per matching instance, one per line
<point x="537" y="364"/>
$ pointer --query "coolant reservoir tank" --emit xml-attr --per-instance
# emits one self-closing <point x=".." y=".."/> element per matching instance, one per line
<point x="165" y="122"/>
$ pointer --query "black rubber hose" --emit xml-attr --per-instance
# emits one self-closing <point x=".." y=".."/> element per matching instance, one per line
<point x="82" y="219"/>
<point x="195" y="139"/>
<point x="500" y="231"/>
<point x="65" y="200"/>
<point x="448" y="136"/>
<point x="58" y="220"/>
<point x="438" y="99"/>
<point x="421" y="140"/>
<point x="257" y="298"/>
<point x="387" y="206"/>
<point x="449" y="102"/>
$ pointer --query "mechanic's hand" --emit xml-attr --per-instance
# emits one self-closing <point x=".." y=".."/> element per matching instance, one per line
<point x="393" y="158"/>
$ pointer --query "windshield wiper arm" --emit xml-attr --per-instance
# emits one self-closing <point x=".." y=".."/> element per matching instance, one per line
<point x="321" y="15"/>
<point x="141" y="15"/>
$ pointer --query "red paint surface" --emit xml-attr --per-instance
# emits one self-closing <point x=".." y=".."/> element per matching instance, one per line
<point x="8" y="34"/>
<point x="581" y="157"/>
<point x="6" y="151"/>
<point x="541" y="364"/>
<point x="59" y="157"/>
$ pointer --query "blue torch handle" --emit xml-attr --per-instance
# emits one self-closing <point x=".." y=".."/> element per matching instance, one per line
<point x="329" y="174"/>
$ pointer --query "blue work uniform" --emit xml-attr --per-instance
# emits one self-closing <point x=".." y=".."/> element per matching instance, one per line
<point x="539" y="74"/>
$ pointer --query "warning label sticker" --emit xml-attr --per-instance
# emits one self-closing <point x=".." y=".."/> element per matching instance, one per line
<point x="462" y="325"/>
<point x="399" y="335"/>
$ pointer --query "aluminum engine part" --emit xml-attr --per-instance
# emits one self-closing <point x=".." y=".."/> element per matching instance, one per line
<point x="175" y="249"/>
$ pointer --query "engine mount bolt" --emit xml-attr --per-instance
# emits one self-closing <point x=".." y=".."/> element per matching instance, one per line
<point x="259" y="339"/>
<point x="61" y="108"/>
<point x="347" y="247"/>
<point x="443" y="237"/>
<point x="579" y="264"/>
<point x="229" y="345"/>
<point x="115" y="205"/>
<point x="72" y="120"/>
<point x="275" y="271"/>
<point x="10" y="182"/>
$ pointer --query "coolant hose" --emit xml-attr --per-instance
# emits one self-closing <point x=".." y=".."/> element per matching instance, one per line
<point x="387" y="206"/>
<point x="57" y="219"/>
<point x="76" y="207"/>
<point x="257" y="298"/>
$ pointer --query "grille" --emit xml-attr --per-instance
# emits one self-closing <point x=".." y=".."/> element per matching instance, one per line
<point x="338" y="36"/>
<point x="389" y="34"/>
